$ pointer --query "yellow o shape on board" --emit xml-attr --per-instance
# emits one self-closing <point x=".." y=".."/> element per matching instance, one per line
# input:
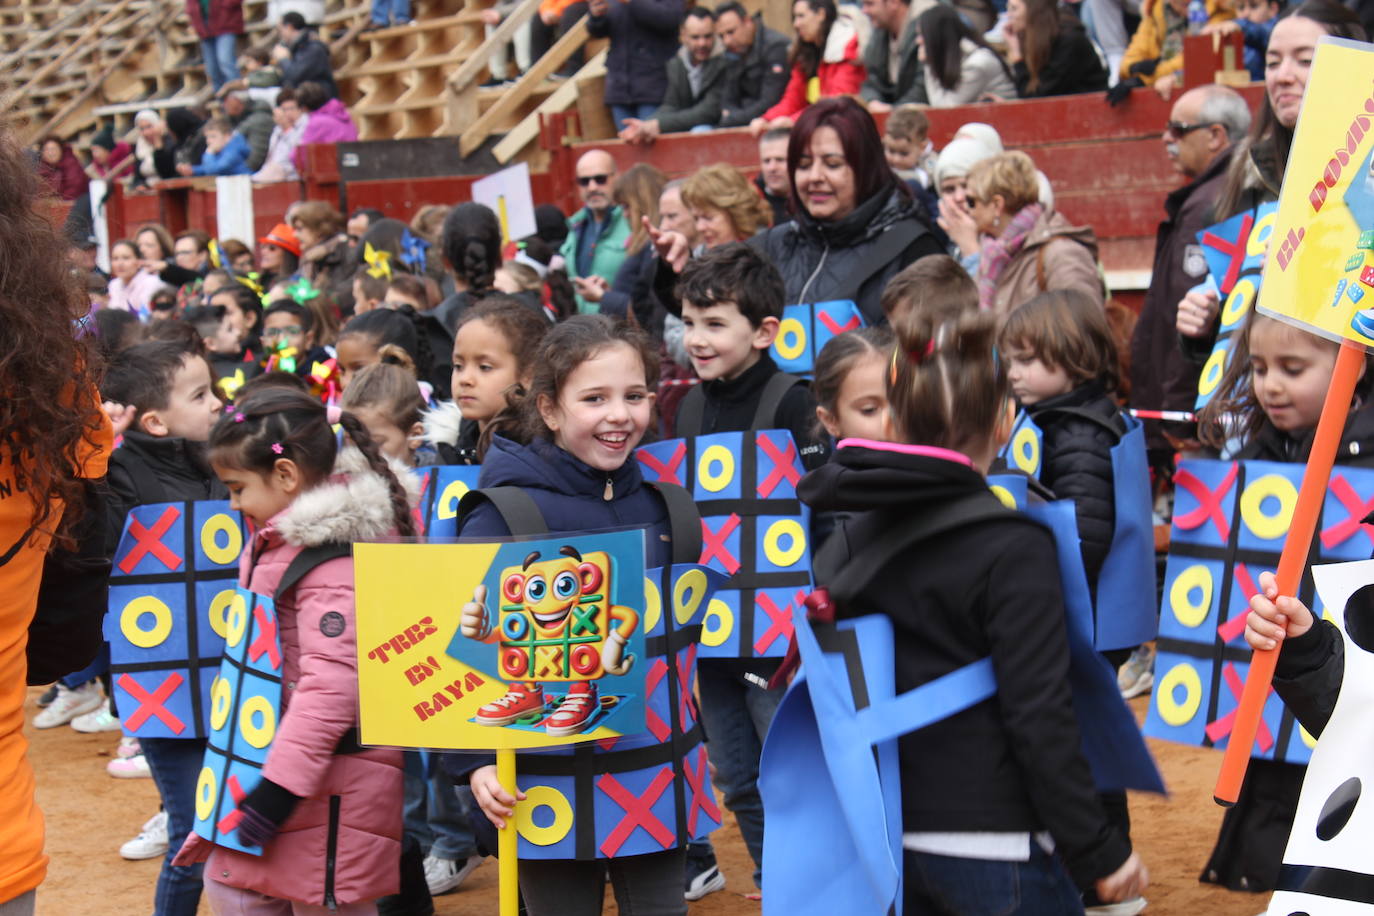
<point x="1238" y="303"/>
<point x="544" y="797"/>
<point x="1211" y="372"/>
<point x="718" y="625"/>
<point x="791" y="339"/>
<point x="713" y="456"/>
<point x="209" y="540"/>
<point x="221" y="701"/>
<point x="222" y="609"/>
<point x="257" y="735"/>
<point x="236" y="620"/>
<point x="1025" y="450"/>
<point x="1191" y="613"/>
<point x="1181" y="675"/>
<point x="653" y="604"/>
<point x="1260" y="233"/>
<point x="1268" y="527"/>
<point x="449" y="499"/>
<point x="784" y="528"/>
<point x="132" y="615"/>
<point x="688" y="592"/>
<point x="206" y="793"/>
<point x="1004" y="495"/>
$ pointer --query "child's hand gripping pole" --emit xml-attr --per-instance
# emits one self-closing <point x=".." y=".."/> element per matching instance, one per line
<point x="1310" y="498"/>
<point x="508" y="841"/>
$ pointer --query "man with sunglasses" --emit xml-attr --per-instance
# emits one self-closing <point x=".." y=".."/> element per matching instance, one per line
<point x="595" y="246"/>
<point x="1198" y="138"/>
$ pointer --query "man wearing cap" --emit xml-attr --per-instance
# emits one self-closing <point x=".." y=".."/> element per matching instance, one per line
<point x="286" y="136"/>
<point x="597" y="233"/>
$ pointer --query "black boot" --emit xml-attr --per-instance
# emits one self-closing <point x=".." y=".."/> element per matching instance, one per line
<point x="413" y="899"/>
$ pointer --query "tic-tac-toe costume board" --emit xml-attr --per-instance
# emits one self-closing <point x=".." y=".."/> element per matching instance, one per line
<point x="1231" y="519"/>
<point x="1234" y="251"/>
<point x="805" y="329"/>
<point x="1327" y="867"/>
<point x="245" y="707"/>
<point x="754" y="531"/>
<point x="442" y="487"/>
<point x="172" y="594"/>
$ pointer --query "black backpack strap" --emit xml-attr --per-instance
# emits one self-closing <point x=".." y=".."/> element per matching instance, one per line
<point x="691" y="413"/>
<point x="845" y="573"/>
<point x="307" y="560"/>
<point x="146" y="484"/>
<point x="877" y="255"/>
<point x="684" y="522"/>
<point x="517" y="509"/>
<point x="766" y="414"/>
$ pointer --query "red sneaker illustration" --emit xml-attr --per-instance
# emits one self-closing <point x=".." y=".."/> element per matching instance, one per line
<point x="576" y="710"/>
<point x="520" y="700"/>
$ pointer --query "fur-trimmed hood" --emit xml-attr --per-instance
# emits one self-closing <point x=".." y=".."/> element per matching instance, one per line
<point x="442" y="423"/>
<point x="848" y="35"/>
<point x="354" y="504"/>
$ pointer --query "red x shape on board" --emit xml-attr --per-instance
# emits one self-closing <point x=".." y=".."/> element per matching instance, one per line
<point x="150" y="541"/>
<point x="779" y="620"/>
<point x="153" y="704"/>
<point x="1222" y="727"/>
<point x="1208" y="501"/>
<point x="638" y="811"/>
<point x="266" y="640"/>
<point x="784" y="465"/>
<point x="834" y="326"/>
<point x="653" y="720"/>
<point x="1358" y="507"/>
<point x="701" y="799"/>
<point x="685" y="660"/>
<point x="713" y="544"/>
<point x="1234" y="250"/>
<point x="1236" y="625"/>
<point x="665" y="470"/>
<point x="230" y="821"/>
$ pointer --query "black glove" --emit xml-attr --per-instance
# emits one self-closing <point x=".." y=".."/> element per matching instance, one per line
<point x="264" y="810"/>
<point x="1144" y="67"/>
<point x="1118" y="93"/>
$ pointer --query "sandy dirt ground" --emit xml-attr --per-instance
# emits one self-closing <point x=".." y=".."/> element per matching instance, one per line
<point x="90" y="814"/>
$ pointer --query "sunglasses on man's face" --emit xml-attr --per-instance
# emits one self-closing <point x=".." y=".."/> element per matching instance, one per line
<point x="588" y="180"/>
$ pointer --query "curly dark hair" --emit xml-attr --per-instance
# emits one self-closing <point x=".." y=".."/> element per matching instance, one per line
<point x="48" y="373"/>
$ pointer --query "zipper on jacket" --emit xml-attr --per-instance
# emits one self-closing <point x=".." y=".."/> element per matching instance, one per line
<point x="819" y="264"/>
<point x="610" y="490"/>
<point x="331" y="852"/>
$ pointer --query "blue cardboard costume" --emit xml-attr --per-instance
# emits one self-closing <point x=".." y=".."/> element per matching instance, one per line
<point x="805" y="329"/>
<point x="171" y="590"/>
<point x="635" y="794"/>
<point x="442" y="487"/>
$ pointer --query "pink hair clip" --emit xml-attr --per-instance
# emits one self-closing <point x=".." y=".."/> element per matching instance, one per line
<point x="332" y="413"/>
<point x="238" y="416"/>
<point x="276" y="447"/>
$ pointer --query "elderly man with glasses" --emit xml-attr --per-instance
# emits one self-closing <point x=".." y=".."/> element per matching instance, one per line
<point x="597" y="233"/>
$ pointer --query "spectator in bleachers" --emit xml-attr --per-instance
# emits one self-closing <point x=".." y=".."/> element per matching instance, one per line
<point x="258" y="77"/>
<point x="1155" y="55"/>
<point x="643" y="37"/>
<point x="1027" y="248"/>
<point x="891" y="57"/>
<point x="552" y="21"/>
<point x="155" y="149"/>
<point x="908" y="148"/>
<point x="773" y="181"/>
<point x="311" y="11"/>
<point x="60" y="169"/>
<point x="597" y="233"/>
<point x="960" y="67"/>
<point x="1202" y="127"/>
<point x="218" y="24"/>
<point x="388" y="13"/>
<point x="758" y="72"/>
<point x="110" y="160"/>
<point x="226" y="152"/>
<point x="326" y="256"/>
<point x="253" y="120"/>
<point x="696" y="79"/>
<point x="1255" y="20"/>
<point x="187" y="127"/>
<point x="826" y="59"/>
<point x="498" y="65"/>
<point x="1106" y="21"/>
<point x="302" y="57"/>
<point x="329" y="121"/>
<point x="291" y="122"/>
<point x="637" y="194"/>
<point x="1049" y="51"/>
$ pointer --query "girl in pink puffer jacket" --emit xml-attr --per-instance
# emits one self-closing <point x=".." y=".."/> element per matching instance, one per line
<point x="327" y="812"/>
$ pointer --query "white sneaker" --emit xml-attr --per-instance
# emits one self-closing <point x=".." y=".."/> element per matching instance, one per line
<point x="70" y="704"/>
<point x="444" y="875"/>
<point x="151" y="841"/>
<point x="128" y="747"/>
<point x="1124" y="908"/>
<point x="135" y="767"/>
<point x="102" y="720"/>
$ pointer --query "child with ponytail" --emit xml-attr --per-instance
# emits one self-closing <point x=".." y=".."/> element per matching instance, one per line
<point x="471" y="244"/>
<point x="386" y="397"/>
<point x="999" y="813"/>
<point x="327" y="812"/>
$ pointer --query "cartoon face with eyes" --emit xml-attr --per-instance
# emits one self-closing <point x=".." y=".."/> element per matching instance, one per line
<point x="549" y="590"/>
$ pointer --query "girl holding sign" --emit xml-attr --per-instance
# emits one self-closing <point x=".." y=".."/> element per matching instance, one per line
<point x="327" y="813"/>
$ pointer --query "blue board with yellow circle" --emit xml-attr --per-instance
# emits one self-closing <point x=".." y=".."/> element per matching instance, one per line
<point x="755" y="531"/>
<point x="172" y="593"/>
<point x="1231" y="519"/>
<point x="441" y="488"/>
<point x="245" y="707"/>
<point x="806" y="328"/>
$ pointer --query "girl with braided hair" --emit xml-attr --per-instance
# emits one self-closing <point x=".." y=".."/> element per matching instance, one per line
<point x="471" y="245"/>
<point x="285" y="471"/>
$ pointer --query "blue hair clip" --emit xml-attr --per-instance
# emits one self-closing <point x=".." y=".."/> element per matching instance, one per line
<point x="413" y="249"/>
